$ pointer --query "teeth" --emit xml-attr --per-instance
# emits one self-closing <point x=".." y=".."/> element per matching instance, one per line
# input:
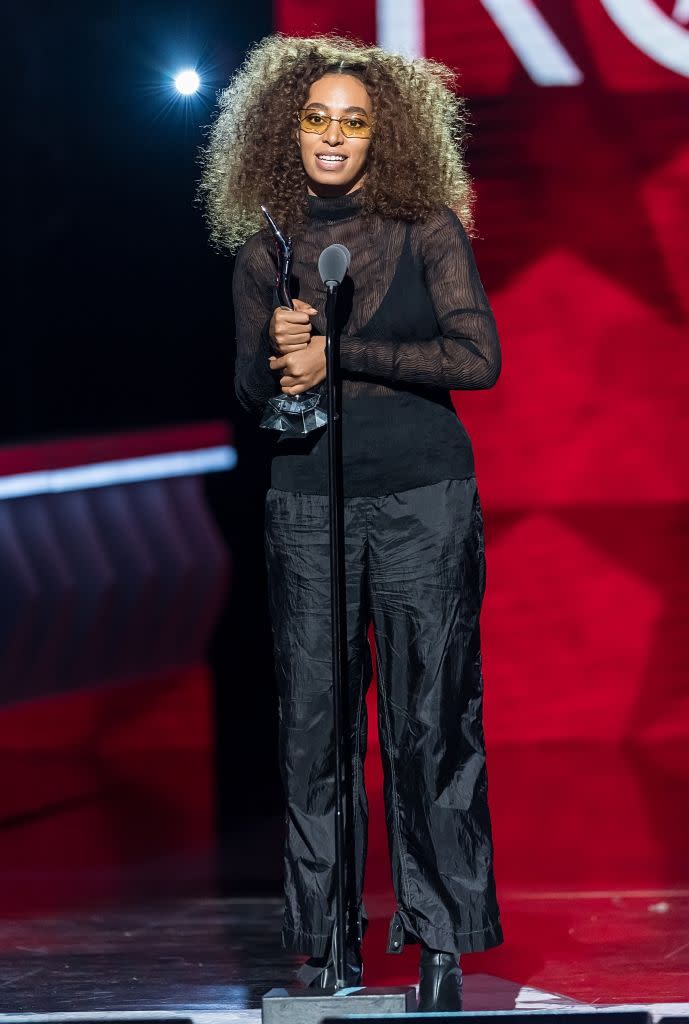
<point x="331" y="159"/>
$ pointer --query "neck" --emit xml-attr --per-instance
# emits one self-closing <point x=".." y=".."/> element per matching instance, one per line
<point x="324" y="191"/>
<point x="335" y="207"/>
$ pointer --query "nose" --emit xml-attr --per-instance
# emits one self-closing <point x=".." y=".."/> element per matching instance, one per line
<point x="333" y="134"/>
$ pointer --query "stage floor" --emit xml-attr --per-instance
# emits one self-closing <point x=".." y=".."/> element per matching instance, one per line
<point x="110" y="903"/>
<point x="214" y="958"/>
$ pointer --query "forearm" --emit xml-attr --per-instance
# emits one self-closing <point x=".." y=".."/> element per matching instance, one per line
<point x="466" y="356"/>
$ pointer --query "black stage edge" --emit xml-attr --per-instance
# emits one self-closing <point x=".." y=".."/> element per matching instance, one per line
<point x="299" y="1006"/>
<point x="107" y="1017"/>
<point x="510" y="1017"/>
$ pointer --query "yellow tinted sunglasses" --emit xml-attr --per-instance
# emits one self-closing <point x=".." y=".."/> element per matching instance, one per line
<point x="352" y="126"/>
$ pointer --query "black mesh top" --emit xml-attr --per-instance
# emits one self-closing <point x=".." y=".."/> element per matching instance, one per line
<point x="414" y="323"/>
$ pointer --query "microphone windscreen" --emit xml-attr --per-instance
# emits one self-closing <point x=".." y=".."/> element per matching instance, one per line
<point x="333" y="263"/>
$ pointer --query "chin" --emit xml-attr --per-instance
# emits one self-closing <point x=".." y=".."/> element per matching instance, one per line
<point x="330" y="177"/>
<point x="342" y="178"/>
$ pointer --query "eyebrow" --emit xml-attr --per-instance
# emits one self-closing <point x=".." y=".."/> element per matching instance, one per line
<point x="347" y="110"/>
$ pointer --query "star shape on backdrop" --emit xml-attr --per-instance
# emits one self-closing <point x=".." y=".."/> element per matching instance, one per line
<point x="581" y="157"/>
<point x="564" y="197"/>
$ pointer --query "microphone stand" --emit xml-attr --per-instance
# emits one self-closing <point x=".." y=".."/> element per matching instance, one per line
<point x="339" y="625"/>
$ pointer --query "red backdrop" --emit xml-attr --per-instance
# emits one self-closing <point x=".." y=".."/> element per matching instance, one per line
<point x="583" y="220"/>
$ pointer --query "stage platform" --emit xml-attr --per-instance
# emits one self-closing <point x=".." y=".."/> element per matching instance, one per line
<point x="211" y="960"/>
<point x="110" y="902"/>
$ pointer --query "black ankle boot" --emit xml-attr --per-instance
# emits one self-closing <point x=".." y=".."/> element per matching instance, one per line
<point x="440" y="981"/>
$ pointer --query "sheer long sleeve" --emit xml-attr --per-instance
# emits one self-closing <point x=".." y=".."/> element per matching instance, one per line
<point x="252" y="292"/>
<point x="466" y="353"/>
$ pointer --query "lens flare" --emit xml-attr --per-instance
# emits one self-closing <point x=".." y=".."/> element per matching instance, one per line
<point x="187" y="82"/>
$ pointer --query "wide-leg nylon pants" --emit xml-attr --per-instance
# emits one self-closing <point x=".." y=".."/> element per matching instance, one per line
<point x="415" y="566"/>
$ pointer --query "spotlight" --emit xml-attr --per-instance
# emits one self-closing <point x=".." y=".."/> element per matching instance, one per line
<point x="187" y="82"/>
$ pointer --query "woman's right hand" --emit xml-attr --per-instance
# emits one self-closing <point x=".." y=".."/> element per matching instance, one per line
<point x="290" y="329"/>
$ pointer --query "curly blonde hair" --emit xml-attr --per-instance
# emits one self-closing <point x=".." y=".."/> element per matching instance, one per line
<point x="415" y="161"/>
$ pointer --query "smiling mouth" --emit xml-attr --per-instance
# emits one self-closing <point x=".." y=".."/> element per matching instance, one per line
<point x="331" y="159"/>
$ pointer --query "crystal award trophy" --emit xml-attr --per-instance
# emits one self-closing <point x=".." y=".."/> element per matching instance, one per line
<point x="292" y="415"/>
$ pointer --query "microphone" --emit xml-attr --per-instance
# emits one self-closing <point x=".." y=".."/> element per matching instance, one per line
<point x="333" y="263"/>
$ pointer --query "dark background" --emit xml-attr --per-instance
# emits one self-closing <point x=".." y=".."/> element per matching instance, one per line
<point x="120" y="313"/>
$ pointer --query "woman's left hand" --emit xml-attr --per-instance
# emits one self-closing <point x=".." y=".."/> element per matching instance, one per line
<point x="302" y="368"/>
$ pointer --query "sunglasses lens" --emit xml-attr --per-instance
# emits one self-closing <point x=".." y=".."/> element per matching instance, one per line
<point x="356" y="128"/>
<point x="312" y="122"/>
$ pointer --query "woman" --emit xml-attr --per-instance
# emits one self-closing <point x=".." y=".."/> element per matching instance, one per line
<point x="350" y="144"/>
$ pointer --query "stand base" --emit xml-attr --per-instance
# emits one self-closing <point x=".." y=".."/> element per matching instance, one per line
<point x="300" y="1006"/>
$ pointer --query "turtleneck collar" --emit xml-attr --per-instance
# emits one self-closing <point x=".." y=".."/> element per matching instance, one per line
<point x="335" y="207"/>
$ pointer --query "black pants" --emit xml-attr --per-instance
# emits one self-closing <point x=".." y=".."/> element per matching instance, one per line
<point x="415" y="566"/>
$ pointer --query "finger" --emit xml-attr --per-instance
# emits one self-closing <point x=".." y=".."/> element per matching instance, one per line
<point x="285" y="342"/>
<point x="284" y="345"/>
<point x="292" y="316"/>
<point x="290" y="330"/>
<point x="284" y="363"/>
<point x="292" y="346"/>
<point x="284" y="360"/>
<point x="304" y="306"/>
<point x="297" y="334"/>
